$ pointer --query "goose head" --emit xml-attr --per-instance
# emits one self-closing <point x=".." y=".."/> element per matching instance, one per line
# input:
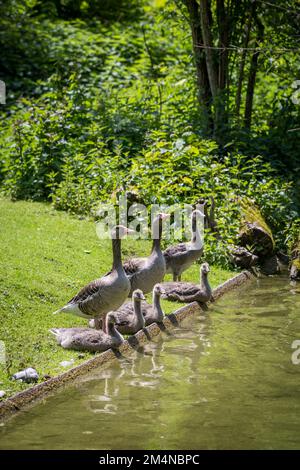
<point x="109" y="323"/>
<point x="196" y="214"/>
<point x="162" y="216"/>
<point x="138" y="296"/>
<point x="110" y="327"/>
<point x="119" y="231"/>
<point x="204" y="269"/>
<point x="110" y="319"/>
<point x="158" y="290"/>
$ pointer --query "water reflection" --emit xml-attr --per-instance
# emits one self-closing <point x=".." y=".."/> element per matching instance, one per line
<point x="222" y="380"/>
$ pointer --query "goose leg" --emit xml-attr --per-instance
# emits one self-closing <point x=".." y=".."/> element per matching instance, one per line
<point x="179" y="278"/>
<point x="98" y="323"/>
<point x="103" y="325"/>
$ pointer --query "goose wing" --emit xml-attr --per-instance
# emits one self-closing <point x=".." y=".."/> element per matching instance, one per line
<point x="131" y="266"/>
<point x="179" y="288"/>
<point x="124" y="314"/>
<point x="89" y="340"/>
<point x="176" y="250"/>
<point x="87" y="291"/>
<point x="146" y="308"/>
<point x="134" y="265"/>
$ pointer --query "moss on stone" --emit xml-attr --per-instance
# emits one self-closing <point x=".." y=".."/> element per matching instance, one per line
<point x="296" y="248"/>
<point x="296" y="263"/>
<point x="251" y="214"/>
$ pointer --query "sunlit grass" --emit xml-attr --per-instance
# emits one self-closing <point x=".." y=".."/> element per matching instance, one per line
<point x="46" y="256"/>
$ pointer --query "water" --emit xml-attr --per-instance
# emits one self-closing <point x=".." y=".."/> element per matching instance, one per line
<point x="223" y="381"/>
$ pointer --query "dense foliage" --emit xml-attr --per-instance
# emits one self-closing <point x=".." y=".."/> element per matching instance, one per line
<point x="102" y="97"/>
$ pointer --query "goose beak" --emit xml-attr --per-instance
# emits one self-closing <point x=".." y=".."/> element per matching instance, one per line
<point x="129" y="231"/>
<point x="143" y="297"/>
<point x="198" y="212"/>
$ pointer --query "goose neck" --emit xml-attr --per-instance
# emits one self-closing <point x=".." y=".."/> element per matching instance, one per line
<point x="111" y="331"/>
<point x="116" y="249"/>
<point x="137" y="306"/>
<point x="196" y="237"/>
<point x="157" y="234"/>
<point x="159" y="314"/>
<point x="204" y="284"/>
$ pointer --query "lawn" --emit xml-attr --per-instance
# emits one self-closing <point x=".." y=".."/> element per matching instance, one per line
<point x="46" y="256"/>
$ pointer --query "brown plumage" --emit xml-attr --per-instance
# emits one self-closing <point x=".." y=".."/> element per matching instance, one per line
<point x="180" y="257"/>
<point x="144" y="273"/>
<point x="188" y="292"/>
<point x="86" y="339"/>
<point x="129" y="317"/>
<point x="106" y="293"/>
<point x="153" y="313"/>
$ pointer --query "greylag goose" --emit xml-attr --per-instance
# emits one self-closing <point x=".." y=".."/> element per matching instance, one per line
<point x="108" y="293"/>
<point x="189" y="292"/>
<point x="180" y="257"/>
<point x="129" y="317"/>
<point x="86" y="339"/>
<point x="153" y="313"/>
<point x="144" y="273"/>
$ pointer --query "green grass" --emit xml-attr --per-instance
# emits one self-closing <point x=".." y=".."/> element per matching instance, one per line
<point x="46" y="256"/>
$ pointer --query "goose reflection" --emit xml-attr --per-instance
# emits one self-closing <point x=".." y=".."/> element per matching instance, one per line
<point x="142" y="368"/>
<point x="145" y="369"/>
<point x="103" y="389"/>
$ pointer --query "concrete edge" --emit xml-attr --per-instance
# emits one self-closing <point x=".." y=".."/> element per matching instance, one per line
<point x="30" y="396"/>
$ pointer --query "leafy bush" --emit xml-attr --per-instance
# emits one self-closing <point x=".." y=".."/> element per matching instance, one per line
<point x="293" y="235"/>
<point x="187" y="169"/>
<point x="100" y="108"/>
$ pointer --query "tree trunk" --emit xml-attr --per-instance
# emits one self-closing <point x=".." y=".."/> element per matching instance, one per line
<point x="252" y="76"/>
<point x="204" y="93"/>
<point x="223" y="43"/>
<point x="224" y="32"/>
<point x="205" y="15"/>
<point x="212" y="68"/>
<point x="58" y="7"/>
<point x="243" y="61"/>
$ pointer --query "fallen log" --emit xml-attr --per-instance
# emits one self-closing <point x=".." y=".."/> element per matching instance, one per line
<point x="255" y="240"/>
<point x="295" y="262"/>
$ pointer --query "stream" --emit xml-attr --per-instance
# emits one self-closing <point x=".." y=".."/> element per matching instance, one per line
<point x="224" y="380"/>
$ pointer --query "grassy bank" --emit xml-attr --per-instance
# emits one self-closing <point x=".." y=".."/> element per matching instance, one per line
<point x="45" y="257"/>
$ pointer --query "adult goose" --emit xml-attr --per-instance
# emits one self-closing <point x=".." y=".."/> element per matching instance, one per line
<point x="189" y="292"/>
<point x="86" y="339"/>
<point x="144" y="273"/>
<point x="129" y="317"/>
<point x="154" y="313"/>
<point x="180" y="257"/>
<point x="107" y="293"/>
